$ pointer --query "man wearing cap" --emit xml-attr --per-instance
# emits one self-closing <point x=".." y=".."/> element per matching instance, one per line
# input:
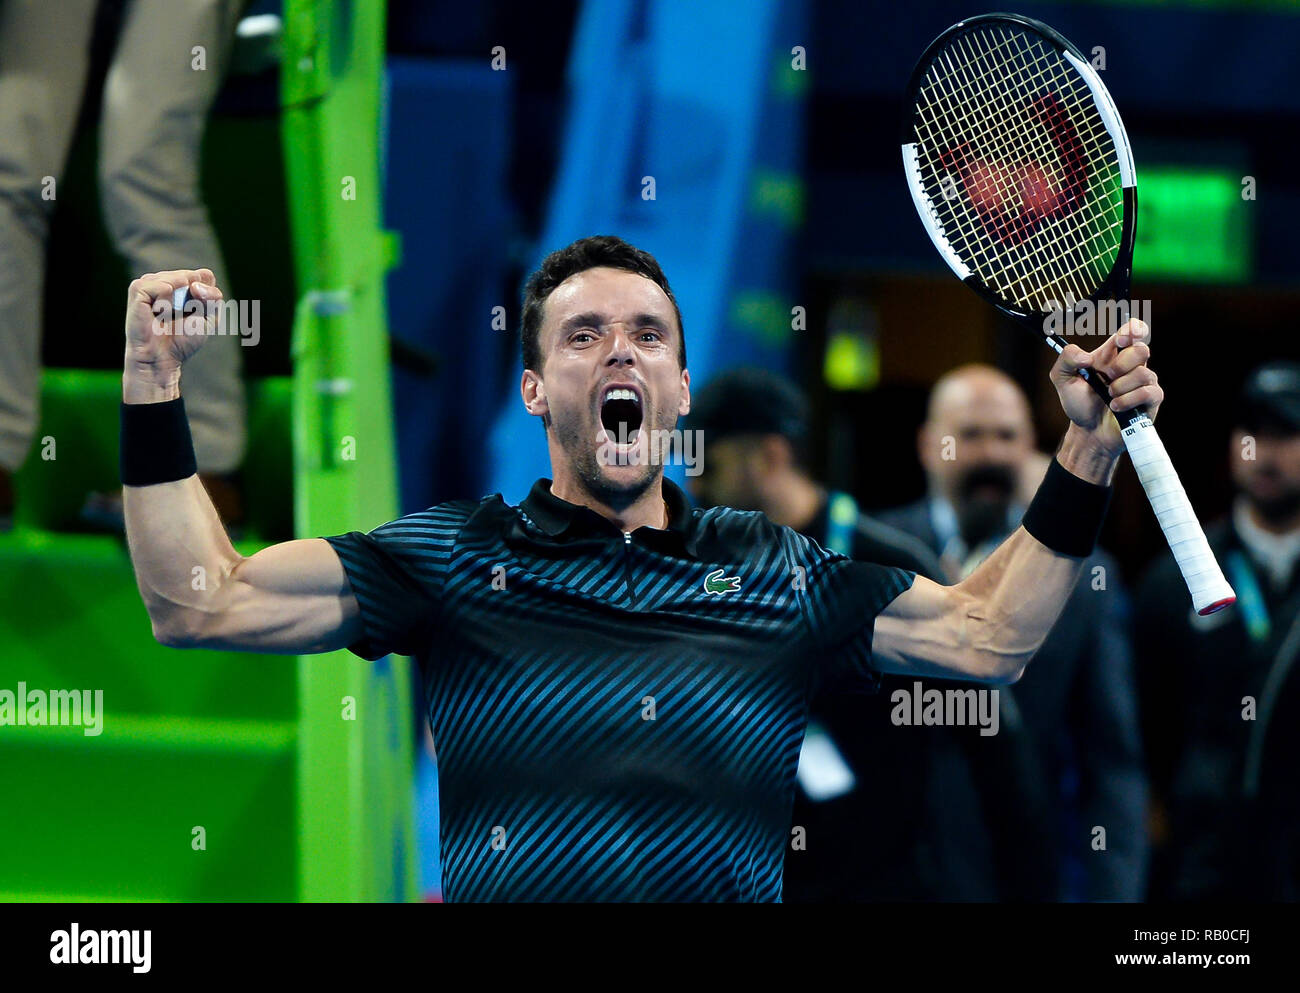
<point x="1220" y="694"/>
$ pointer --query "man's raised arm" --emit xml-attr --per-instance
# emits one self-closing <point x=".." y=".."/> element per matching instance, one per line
<point x="989" y="626"/>
<point x="200" y="592"/>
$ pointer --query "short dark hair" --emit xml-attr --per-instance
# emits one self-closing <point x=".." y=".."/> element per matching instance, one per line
<point x="747" y="401"/>
<point x="587" y="253"/>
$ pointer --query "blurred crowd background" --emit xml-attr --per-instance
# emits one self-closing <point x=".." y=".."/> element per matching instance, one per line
<point x="752" y="147"/>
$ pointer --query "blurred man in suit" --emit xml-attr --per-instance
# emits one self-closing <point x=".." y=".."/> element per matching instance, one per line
<point x="1079" y="704"/>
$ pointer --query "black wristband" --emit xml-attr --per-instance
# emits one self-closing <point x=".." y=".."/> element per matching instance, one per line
<point x="1067" y="512"/>
<point x="156" y="443"/>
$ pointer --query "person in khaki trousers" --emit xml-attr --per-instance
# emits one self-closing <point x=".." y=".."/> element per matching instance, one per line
<point x="156" y="101"/>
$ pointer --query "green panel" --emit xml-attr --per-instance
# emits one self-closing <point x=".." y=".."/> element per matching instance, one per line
<point x="89" y="630"/>
<point x="1193" y="224"/>
<point x="778" y="195"/>
<point x="112" y="817"/>
<point x="852" y="362"/>
<point x="766" y="316"/>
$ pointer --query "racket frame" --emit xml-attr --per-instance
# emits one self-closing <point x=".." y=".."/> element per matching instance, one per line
<point x="1140" y="438"/>
<point x="1118" y="281"/>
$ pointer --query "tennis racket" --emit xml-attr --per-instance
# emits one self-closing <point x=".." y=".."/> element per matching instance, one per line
<point x="1022" y="174"/>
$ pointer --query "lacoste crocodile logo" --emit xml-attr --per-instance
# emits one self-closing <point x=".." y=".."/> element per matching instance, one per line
<point x="719" y="583"/>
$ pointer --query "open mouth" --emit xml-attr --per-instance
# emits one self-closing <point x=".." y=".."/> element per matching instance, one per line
<point x="620" y="414"/>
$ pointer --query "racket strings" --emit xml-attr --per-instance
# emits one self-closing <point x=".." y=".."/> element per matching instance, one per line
<point x="1013" y="123"/>
<point x="1094" y="136"/>
<point x="1021" y="139"/>
<point x="984" y="252"/>
<point x="1099" y="148"/>
<point x="976" y="109"/>
<point x="1016" y="127"/>
<point x="1055" y="280"/>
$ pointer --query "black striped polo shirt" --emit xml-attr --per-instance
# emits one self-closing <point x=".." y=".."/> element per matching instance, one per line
<point x="617" y="716"/>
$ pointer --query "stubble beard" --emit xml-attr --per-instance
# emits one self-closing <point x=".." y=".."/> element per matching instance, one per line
<point x="578" y="442"/>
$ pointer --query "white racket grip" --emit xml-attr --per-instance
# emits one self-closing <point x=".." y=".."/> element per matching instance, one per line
<point x="1210" y="591"/>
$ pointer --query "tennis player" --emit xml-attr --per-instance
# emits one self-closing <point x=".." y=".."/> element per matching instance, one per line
<point x="617" y="684"/>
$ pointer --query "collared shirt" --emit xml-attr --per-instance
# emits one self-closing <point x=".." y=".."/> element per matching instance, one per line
<point x="1275" y="553"/>
<point x="617" y="715"/>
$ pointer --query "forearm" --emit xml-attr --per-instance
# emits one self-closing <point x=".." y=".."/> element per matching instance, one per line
<point x="1011" y="601"/>
<point x="987" y="627"/>
<point x="1016" y="595"/>
<point x="178" y="545"/>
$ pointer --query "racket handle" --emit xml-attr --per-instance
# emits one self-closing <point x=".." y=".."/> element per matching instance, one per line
<point x="1210" y="591"/>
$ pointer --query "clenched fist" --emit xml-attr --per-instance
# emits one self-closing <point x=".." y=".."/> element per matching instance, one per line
<point x="1123" y="358"/>
<point x="159" y="341"/>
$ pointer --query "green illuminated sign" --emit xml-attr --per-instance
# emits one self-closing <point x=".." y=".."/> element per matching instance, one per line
<point x="1193" y="223"/>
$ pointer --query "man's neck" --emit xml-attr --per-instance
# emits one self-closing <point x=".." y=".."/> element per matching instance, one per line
<point x="650" y="509"/>
<point x="794" y="501"/>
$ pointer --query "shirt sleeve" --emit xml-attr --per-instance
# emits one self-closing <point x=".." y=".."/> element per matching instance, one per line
<point x="397" y="573"/>
<point x="840" y="598"/>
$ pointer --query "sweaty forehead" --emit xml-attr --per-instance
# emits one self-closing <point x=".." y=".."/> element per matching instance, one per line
<point x="614" y="294"/>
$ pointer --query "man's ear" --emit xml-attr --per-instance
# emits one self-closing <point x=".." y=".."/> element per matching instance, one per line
<point x="533" y="391"/>
<point x="684" y="405"/>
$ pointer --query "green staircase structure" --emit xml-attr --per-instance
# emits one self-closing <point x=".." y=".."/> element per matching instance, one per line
<point x="225" y="776"/>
